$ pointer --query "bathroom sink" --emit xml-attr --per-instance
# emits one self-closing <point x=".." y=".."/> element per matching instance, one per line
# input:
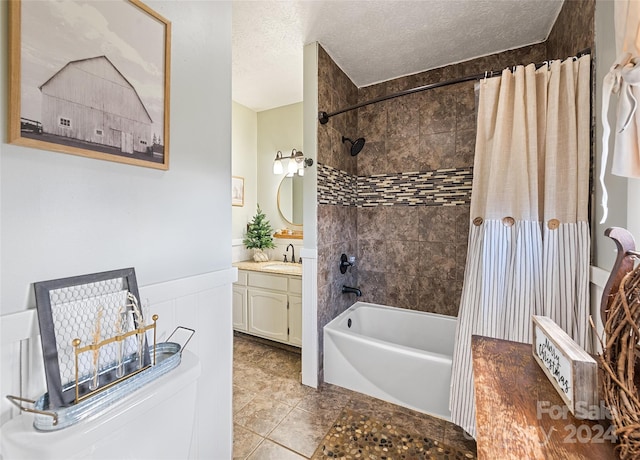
<point x="283" y="267"/>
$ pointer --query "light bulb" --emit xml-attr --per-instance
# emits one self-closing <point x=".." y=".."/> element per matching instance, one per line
<point x="292" y="167"/>
<point x="277" y="163"/>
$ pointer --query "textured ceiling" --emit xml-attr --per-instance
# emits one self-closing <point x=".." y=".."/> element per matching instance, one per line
<point x="371" y="40"/>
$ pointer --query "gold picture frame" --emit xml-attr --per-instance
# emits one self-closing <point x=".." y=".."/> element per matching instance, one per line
<point x="237" y="191"/>
<point x="99" y="88"/>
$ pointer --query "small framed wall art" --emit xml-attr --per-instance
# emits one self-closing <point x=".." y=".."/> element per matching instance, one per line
<point x="237" y="191"/>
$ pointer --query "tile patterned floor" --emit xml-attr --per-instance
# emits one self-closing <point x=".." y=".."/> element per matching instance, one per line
<point x="277" y="418"/>
<point x="356" y="436"/>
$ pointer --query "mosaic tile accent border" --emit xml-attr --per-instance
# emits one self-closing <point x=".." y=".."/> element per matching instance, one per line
<point x="336" y="187"/>
<point x="443" y="187"/>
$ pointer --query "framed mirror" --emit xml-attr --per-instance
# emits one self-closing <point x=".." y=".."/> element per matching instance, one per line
<point x="290" y="199"/>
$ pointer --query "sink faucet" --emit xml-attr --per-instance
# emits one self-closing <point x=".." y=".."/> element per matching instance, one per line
<point x="293" y="253"/>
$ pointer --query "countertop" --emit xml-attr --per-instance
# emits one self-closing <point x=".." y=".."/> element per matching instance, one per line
<point x="272" y="266"/>
<point x="519" y="414"/>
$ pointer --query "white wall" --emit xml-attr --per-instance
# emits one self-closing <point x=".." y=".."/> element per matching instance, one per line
<point x="244" y="145"/>
<point x="633" y="209"/>
<point x="63" y="215"/>
<point x="256" y="139"/>
<point x="278" y="129"/>
<point x="624" y="206"/>
<point x="310" y="250"/>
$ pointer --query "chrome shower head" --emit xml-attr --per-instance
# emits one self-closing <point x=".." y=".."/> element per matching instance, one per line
<point x="356" y="145"/>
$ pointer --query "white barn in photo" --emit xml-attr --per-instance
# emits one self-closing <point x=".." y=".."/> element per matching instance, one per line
<point x="90" y="100"/>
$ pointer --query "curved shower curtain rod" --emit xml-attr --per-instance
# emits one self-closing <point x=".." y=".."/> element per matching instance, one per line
<point x="323" y="117"/>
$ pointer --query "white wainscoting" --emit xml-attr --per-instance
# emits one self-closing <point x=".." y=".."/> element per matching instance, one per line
<point x="598" y="278"/>
<point x="201" y="302"/>
<point x="239" y="252"/>
<point x="310" y="317"/>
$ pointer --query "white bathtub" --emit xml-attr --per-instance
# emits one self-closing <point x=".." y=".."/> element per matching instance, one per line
<point x="397" y="355"/>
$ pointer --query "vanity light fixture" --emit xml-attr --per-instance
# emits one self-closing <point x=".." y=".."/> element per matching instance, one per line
<point x="303" y="163"/>
<point x="296" y="163"/>
<point x="300" y="163"/>
<point x="277" y="163"/>
<point x="292" y="167"/>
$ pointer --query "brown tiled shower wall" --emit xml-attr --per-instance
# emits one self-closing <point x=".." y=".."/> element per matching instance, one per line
<point x="386" y="205"/>
<point x="411" y="233"/>
<point x="337" y="231"/>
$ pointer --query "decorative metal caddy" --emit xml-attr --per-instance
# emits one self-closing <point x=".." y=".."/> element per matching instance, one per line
<point x="94" y="343"/>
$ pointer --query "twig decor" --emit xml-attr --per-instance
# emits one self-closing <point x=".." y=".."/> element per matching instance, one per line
<point x="619" y="358"/>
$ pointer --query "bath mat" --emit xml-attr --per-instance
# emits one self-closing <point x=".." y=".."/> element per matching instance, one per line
<point x="358" y="436"/>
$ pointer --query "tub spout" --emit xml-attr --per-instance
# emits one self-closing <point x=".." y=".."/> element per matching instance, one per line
<point x="351" y="290"/>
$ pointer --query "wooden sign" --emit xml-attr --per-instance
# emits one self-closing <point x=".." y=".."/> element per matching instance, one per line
<point x="571" y="370"/>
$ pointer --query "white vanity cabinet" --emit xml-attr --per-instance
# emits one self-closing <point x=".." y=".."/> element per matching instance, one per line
<point x="295" y="311"/>
<point x="240" y="302"/>
<point x="268" y="305"/>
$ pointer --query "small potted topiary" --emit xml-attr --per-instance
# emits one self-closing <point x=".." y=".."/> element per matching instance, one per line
<point x="259" y="236"/>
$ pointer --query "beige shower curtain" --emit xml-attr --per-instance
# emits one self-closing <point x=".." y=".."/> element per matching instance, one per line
<point x="528" y="236"/>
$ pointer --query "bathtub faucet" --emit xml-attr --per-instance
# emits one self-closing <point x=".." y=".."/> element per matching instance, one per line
<point x="351" y="290"/>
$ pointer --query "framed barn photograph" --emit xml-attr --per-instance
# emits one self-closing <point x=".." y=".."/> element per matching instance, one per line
<point x="90" y="78"/>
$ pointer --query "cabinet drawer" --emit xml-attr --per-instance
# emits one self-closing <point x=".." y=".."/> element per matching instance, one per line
<point x="242" y="278"/>
<point x="265" y="281"/>
<point x="295" y="285"/>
